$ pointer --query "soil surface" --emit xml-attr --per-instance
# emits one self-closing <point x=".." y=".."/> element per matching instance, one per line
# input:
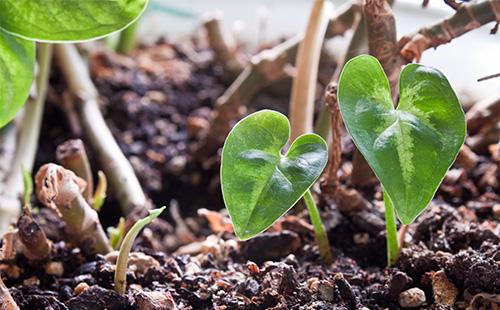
<point x="156" y="103"/>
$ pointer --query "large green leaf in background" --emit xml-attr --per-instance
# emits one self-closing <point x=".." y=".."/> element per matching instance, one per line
<point x="409" y="148"/>
<point x="17" y="62"/>
<point x="67" y="20"/>
<point x="259" y="184"/>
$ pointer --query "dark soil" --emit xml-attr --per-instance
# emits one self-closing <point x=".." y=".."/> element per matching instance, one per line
<point x="156" y="104"/>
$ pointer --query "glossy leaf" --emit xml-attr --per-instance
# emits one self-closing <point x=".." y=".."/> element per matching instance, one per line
<point x="17" y="62"/>
<point x="259" y="184"/>
<point x="67" y="20"/>
<point x="409" y="148"/>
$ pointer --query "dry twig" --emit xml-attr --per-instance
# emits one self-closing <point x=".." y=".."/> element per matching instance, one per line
<point x="467" y="17"/>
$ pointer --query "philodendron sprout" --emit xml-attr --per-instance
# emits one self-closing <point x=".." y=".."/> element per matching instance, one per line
<point x="126" y="246"/>
<point x="260" y="184"/>
<point x="410" y="148"/>
<point x="24" y="21"/>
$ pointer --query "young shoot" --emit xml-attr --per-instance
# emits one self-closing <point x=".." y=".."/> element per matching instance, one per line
<point x="260" y="184"/>
<point x="128" y="241"/>
<point x="116" y="234"/>
<point x="100" y="191"/>
<point x="28" y="187"/>
<point x="410" y="148"/>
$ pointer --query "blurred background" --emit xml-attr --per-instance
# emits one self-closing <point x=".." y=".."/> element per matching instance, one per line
<point x="258" y="21"/>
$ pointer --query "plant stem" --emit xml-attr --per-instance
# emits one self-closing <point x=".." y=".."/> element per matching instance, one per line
<point x="319" y="229"/>
<point x="35" y="244"/>
<point x="126" y="246"/>
<point x="8" y="137"/>
<point x="72" y="155"/>
<point x="60" y="189"/>
<point x="118" y="170"/>
<point x="301" y="112"/>
<point x="28" y="141"/>
<point x="391" y="232"/>
<point x="126" y="41"/>
<point x="382" y="39"/>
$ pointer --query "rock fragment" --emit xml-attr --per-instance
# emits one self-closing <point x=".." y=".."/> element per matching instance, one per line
<point x="412" y="298"/>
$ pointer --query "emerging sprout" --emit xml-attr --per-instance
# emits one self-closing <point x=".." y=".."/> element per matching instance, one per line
<point x="260" y="184"/>
<point x="128" y="241"/>
<point x="28" y="187"/>
<point x="100" y="191"/>
<point x="410" y="148"/>
<point x="116" y="234"/>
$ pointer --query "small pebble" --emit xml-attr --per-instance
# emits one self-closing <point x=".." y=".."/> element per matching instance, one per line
<point x="325" y="290"/>
<point x="140" y="262"/>
<point x="412" y="298"/>
<point x="361" y="238"/>
<point x="444" y="291"/>
<point x="496" y="211"/>
<point x="54" y="269"/>
<point x="253" y="268"/>
<point x="80" y="288"/>
<point x="32" y="281"/>
<point x="155" y="301"/>
<point x="192" y="268"/>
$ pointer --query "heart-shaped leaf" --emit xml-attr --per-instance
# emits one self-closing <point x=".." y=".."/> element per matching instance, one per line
<point x="67" y="20"/>
<point x="409" y="148"/>
<point x="259" y="184"/>
<point x="17" y="62"/>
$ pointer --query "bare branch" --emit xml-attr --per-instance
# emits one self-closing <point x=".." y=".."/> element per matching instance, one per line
<point x="468" y="17"/>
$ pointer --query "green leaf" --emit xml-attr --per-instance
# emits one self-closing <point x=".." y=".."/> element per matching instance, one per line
<point x="67" y="20"/>
<point x="17" y="62"/>
<point x="259" y="184"/>
<point x="409" y="148"/>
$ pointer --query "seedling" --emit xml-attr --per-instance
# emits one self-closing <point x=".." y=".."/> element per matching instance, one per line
<point x="28" y="187"/>
<point x="128" y="241"/>
<point x="24" y="21"/>
<point x="410" y="148"/>
<point x="116" y="234"/>
<point x="260" y="184"/>
<point x="100" y="191"/>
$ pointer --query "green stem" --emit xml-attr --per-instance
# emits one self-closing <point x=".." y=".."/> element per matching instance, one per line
<point x="319" y="229"/>
<point x="392" y="232"/>
<point x="126" y="42"/>
<point x="27" y="143"/>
